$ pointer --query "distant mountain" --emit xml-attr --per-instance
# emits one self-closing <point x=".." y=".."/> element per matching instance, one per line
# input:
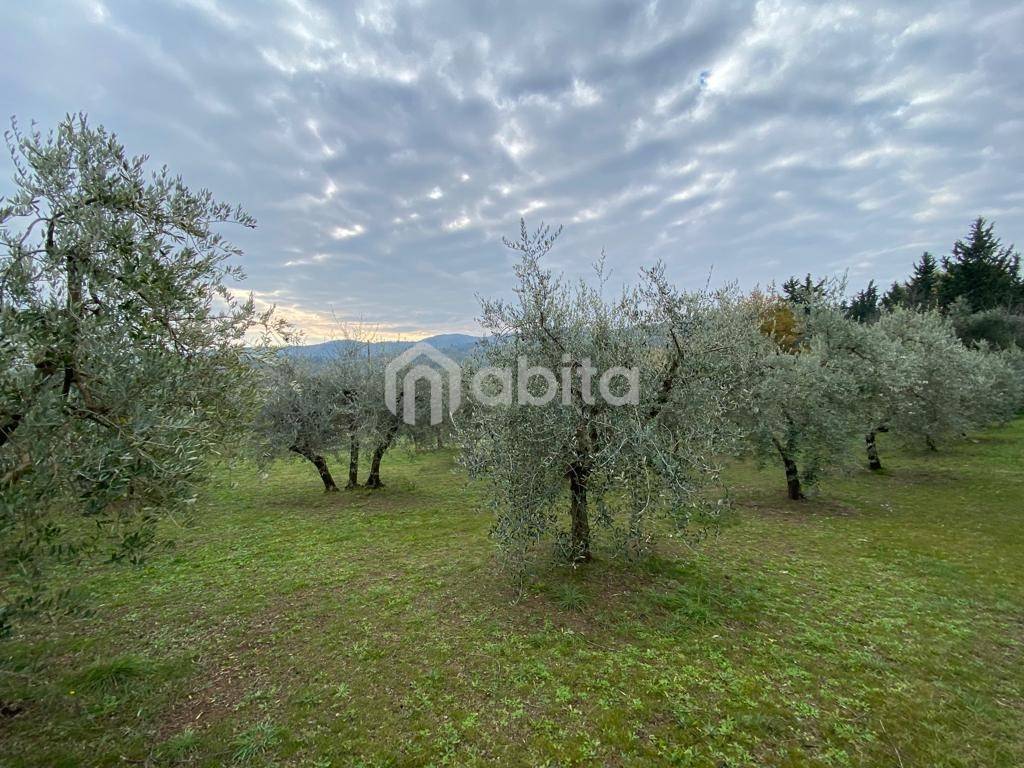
<point x="455" y="345"/>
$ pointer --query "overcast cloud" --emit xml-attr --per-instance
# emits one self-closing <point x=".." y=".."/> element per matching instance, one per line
<point x="386" y="148"/>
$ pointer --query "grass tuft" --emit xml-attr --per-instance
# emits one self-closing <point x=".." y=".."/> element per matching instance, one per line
<point x="256" y="741"/>
<point x="569" y="597"/>
<point x="114" y="676"/>
<point x="180" y="746"/>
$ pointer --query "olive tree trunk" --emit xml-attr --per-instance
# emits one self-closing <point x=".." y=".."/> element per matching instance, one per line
<point x="873" y="461"/>
<point x="321" y="466"/>
<point x="792" y="480"/>
<point x="353" y="462"/>
<point x="579" y="533"/>
<point x="792" y="473"/>
<point x="373" y="480"/>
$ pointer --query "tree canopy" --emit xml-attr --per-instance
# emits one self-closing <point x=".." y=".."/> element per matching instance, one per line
<point x="123" y="363"/>
<point x="982" y="271"/>
<point x="614" y="463"/>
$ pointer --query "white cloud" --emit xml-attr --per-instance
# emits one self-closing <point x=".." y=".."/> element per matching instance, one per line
<point x="316" y="258"/>
<point x="513" y="139"/>
<point x="461" y="222"/>
<point x="344" y="233"/>
<point x="530" y="207"/>
<point x="584" y="95"/>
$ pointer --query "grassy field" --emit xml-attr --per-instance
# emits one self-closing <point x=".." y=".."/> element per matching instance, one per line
<point x="881" y="623"/>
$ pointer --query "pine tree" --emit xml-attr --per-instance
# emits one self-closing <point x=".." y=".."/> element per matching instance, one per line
<point x="803" y="292"/>
<point x="896" y="296"/>
<point x="864" y="307"/>
<point x="923" y="287"/>
<point x="982" y="271"/>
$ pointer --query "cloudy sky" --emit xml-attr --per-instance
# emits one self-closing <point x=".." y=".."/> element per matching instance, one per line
<point x="385" y="148"/>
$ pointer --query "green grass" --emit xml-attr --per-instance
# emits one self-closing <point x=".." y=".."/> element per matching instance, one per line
<point x="880" y="623"/>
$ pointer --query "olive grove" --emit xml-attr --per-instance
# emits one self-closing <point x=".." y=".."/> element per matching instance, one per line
<point x="128" y="363"/>
<point x="829" y="380"/>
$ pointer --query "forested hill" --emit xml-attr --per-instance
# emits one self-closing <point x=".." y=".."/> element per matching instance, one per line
<point x="455" y="345"/>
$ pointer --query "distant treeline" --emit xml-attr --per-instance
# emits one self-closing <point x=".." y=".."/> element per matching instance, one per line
<point x="978" y="286"/>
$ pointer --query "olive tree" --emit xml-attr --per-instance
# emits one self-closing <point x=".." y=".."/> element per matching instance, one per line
<point x="378" y="426"/>
<point x="618" y="407"/>
<point x="306" y="410"/>
<point x="809" y="388"/>
<point x="935" y="387"/>
<point x="318" y="408"/>
<point x="122" y="363"/>
<point x="382" y="427"/>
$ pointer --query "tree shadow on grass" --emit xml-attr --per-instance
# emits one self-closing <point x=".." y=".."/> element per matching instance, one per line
<point x="658" y="593"/>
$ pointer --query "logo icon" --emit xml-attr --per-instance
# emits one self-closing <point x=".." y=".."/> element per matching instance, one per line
<point x="443" y="366"/>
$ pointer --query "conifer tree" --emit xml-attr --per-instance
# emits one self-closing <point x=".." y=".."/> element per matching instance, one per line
<point x="804" y="291"/>
<point x="896" y="296"/>
<point x="864" y="307"/>
<point x="922" y="291"/>
<point x="982" y="271"/>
